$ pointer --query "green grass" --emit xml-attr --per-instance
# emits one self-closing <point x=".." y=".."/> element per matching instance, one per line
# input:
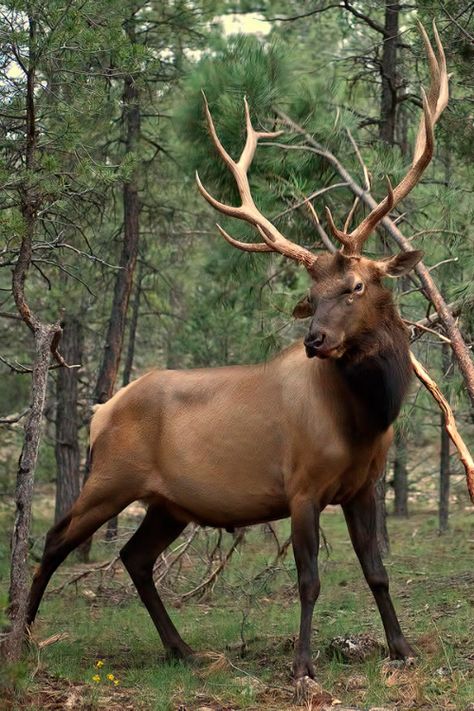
<point x="432" y="579"/>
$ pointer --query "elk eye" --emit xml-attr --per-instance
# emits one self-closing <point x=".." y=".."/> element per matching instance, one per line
<point x="359" y="286"/>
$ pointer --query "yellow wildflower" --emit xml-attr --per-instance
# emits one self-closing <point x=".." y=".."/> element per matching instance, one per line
<point x="110" y="677"/>
<point x="96" y="678"/>
<point x="116" y="682"/>
<point x="99" y="664"/>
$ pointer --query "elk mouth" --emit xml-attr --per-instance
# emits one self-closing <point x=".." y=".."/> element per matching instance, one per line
<point x="324" y="351"/>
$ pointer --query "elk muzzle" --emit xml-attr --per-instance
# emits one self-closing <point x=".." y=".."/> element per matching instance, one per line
<point x="323" y="344"/>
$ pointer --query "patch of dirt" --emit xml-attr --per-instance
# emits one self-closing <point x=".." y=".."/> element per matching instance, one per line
<point x="49" y="693"/>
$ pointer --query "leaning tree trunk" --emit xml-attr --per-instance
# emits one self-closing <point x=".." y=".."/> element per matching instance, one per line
<point x="67" y="449"/>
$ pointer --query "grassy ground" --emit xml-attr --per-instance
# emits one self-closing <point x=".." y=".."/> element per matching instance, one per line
<point x="247" y="625"/>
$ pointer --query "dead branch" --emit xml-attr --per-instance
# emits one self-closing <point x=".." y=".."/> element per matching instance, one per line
<point x="14" y="418"/>
<point x="210" y="580"/>
<point x="101" y="567"/>
<point x="450" y="423"/>
<point x="182" y="549"/>
<point x="418" y="325"/>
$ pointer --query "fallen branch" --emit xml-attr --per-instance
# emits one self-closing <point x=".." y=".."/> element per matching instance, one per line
<point x="179" y="553"/>
<point x="213" y="576"/>
<point x="450" y="423"/>
<point x="102" y="567"/>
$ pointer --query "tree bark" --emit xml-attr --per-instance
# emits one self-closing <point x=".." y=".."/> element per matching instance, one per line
<point x="381" y="515"/>
<point x="45" y="335"/>
<point x="132" y="331"/>
<point x="388" y="70"/>
<point x="123" y="284"/>
<point x="18" y="592"/>
<point x="112" y="526"/>
<point x="400" y="475"/>
<point x="444" y="463"/>
<point x="67" y="449"/>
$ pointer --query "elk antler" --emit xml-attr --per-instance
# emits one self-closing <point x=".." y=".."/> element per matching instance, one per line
<point x="433" y="106"/>
<point x="273" y="240"/>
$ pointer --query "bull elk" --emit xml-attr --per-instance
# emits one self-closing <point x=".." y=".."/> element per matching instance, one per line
<point x="242" y="445"/>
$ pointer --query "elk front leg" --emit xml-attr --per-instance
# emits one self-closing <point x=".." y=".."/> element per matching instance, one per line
<point x="305" y="540"/>
<point x="360" y="518"/>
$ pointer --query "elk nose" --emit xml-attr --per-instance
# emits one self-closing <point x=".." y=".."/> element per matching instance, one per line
<point x="315" y="339"/>
<point x="319" y="338"/>
<point x="313" y="343"/>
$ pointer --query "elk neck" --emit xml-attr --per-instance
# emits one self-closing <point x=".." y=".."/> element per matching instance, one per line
<point x="376" y="370"/>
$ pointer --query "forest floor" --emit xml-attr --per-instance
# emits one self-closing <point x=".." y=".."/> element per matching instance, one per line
<point x="246" y="621"/>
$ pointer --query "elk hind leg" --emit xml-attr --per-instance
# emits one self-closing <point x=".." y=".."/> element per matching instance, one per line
<point x="92" y="509"/>
<point x="360" y="518"/>
<point x="156" y="532"/>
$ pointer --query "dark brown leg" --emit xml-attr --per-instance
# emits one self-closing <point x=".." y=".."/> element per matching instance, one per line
<point x="156" y="532"/>
<point x="305" y="539"/>
<point x="86" y="516"/>
<point x="360" y="518"/>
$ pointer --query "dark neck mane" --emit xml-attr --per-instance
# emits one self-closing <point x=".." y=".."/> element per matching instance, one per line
<point x="377" y="370"/>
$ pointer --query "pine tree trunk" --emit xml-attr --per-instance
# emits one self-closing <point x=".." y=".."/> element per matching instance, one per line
<point x="67" y="449"/>
<point x="112" y="526"/>
<point x="400" y="475"/>
<point x="444" y="463"/>
<point x="388" y="113"/>
<point x="132" y="332"/>
<point x="388" y="105"/>
<point x="123" y="284"/>
<point x="381" y="515"/>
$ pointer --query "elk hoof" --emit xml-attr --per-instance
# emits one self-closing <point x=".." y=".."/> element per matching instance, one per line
<point x="180" y="653"/>
<point x="400" y="649"/>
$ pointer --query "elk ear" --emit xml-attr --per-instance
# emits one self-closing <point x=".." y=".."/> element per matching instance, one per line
<point x="303" y="308"/>
<point x="400" y="264"/>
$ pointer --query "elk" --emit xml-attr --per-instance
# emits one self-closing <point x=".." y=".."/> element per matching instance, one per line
<point x="241" y="445"/>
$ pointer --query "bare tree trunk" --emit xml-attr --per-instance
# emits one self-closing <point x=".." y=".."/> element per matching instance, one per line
<point x="67" y="449"/>
<point x="388" y="69"/>
<point x="46" y="337"/>
<point x="381" y="515"/>
<point x="123" y="283"/>
<point x="112" y="526"/>
<point x="400" y="475"/>
<point x="444" y="463"/>
<point x="132" y="332"/>
<point x="18" y="593"/>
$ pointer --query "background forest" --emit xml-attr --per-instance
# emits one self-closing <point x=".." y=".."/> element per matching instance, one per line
<point x="105" y="236"/>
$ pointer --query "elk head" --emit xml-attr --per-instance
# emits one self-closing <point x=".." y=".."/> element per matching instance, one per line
<point x="347" y="296"/>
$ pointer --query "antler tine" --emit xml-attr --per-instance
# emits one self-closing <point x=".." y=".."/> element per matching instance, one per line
<point x="343" y="237"/>
<point x="273" y="240"/>
<point x="438" y="94"/>
<point x="245" y="246"/>
<point x="248" y="153"/>
<point x="433" y="106"/>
